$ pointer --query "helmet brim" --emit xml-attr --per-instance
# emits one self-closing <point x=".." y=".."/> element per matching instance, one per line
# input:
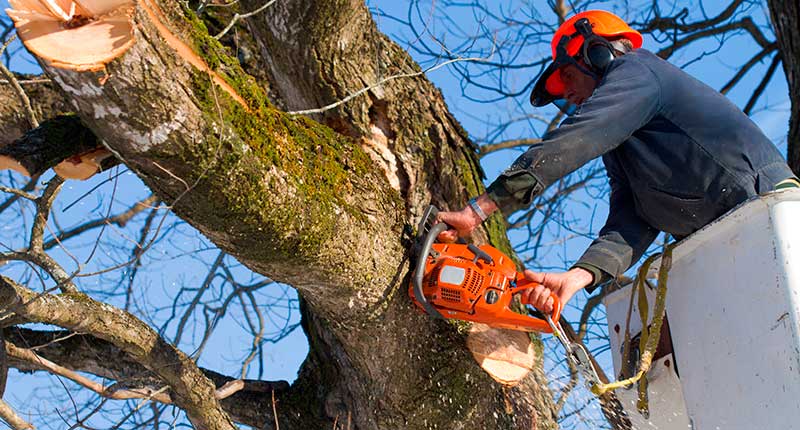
<point x="548" y="87"/>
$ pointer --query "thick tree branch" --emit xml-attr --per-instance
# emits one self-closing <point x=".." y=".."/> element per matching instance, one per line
<point x="88" y="354"/>
<point x="191" y="390"/>
<point x="301" y="204"/>
<point x="51" y="143"/>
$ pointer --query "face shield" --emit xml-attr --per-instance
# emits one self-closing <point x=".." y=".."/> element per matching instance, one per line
<point x="550" y="87"/>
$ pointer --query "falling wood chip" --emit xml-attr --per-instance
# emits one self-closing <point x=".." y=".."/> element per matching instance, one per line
<point x="77" y="35"/>
<point x="82" y="166"/>
<point x="506" y="355"/>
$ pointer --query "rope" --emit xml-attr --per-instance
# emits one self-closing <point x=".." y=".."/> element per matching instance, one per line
<point x="648" y="342"/>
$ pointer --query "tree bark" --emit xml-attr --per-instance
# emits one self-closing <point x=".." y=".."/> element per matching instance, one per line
<point x="321" y="210"/>
<point x="786" y="21"/>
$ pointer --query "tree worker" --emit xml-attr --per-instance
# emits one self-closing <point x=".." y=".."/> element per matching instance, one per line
<point x="678" y="154"/>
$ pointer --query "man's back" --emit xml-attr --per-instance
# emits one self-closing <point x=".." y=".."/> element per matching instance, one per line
<point x="697" y="155"/>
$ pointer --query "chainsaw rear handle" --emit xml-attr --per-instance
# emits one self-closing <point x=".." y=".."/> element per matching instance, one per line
<point x="524" y="283"/>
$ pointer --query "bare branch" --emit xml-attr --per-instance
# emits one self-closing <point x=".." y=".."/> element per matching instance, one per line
<point x="493" y="147"/>
<point x="11" y="418"/>
<point x="776" y="60"/>
<point x="18" y="193"/>
<point x="383" y="81"/>
<point x="193" y="392"/>
<point x="747" y="66"/>
<point x="237" y="17"/>
<point x="26" y="103"/>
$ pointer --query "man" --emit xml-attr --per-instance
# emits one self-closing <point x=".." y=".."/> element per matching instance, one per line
<point x="678" y="153"/>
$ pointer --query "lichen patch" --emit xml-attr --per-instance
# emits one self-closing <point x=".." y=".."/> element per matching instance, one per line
<point x="157" y="135"/>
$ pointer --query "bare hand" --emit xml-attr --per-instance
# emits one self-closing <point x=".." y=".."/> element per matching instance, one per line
<point x="564" y="285"/>
<point x="461" y="224"/>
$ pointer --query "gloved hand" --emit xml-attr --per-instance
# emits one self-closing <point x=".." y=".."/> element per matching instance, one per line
<point x="564" y="285"/>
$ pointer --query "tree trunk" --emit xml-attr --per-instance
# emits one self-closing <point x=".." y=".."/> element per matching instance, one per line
<point x="786" y="21"/>
<point x="321" y="209"/>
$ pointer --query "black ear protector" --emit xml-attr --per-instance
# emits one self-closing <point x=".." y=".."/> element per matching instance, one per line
<point x="597" y="52"/>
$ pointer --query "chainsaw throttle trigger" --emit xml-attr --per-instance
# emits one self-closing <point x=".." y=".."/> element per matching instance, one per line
<point x="480" y="254"/>
<point x="523" y="284"/>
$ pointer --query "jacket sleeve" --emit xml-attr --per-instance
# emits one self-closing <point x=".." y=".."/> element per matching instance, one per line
<point x="627" y="99"/>
<point x="623" y="239"/>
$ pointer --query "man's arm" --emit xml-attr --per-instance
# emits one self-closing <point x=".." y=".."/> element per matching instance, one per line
<point x="623" y="239"/>
<point x="628" y="98"/>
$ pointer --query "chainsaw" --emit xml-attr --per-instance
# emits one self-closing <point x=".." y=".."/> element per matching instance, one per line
<point x="466" y="282"/>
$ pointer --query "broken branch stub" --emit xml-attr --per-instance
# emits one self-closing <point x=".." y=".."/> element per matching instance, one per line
<point x="82" y="35"/>
<point x="506" y="355"/>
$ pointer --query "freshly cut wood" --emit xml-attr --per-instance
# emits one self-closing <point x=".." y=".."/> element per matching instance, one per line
<point x="7" y="163"/>
<point x="506" y="355"/>
<point x="82" y="166"/>
<point x="80" y="36"/>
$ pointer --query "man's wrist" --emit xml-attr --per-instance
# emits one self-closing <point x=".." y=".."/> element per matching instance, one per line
<point x="473" y="204"/>
<point x="582" y="277"/>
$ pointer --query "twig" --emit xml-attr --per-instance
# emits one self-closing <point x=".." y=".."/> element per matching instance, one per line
<point x="492" y="147"/>
<point x="26" y="103"/>
<point x="237" y="17"/>
<point x="383" y="81"/>
<point x="26" y="81"/>
<point x="776" y="60"/>
<point x="18" y="193"/>
<point x="108" y="392"/>
<point x="275" y="411"/>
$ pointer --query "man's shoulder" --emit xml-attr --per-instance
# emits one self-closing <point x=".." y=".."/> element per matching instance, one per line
<point x="642" y="57"/>
<point x="638" y="67"/>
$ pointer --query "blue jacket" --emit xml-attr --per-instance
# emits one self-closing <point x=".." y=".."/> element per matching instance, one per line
<point x="678" y="155"/>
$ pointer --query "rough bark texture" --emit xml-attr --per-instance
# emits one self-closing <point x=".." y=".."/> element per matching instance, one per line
<point x="786" y="21"/>
<point x="322" y="210"/>
<point x="46" y="103"/>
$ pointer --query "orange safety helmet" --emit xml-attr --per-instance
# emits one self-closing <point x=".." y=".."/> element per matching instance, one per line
<point x="571" y="38"/>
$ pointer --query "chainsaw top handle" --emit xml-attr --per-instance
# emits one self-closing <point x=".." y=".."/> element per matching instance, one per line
<point x="419" y="269"/>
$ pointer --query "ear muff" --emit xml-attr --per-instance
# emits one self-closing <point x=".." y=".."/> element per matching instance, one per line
<point x="596" y="51"/>
<point x="598" y="55"/>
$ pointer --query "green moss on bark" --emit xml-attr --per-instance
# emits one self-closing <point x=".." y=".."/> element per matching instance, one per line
<point x="306" y="162"/>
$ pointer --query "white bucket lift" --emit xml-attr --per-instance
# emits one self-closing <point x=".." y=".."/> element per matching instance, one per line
<point x="733" y="307"/>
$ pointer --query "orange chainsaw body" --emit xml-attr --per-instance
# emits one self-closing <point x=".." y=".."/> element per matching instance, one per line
<point x="460" y="282"/>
